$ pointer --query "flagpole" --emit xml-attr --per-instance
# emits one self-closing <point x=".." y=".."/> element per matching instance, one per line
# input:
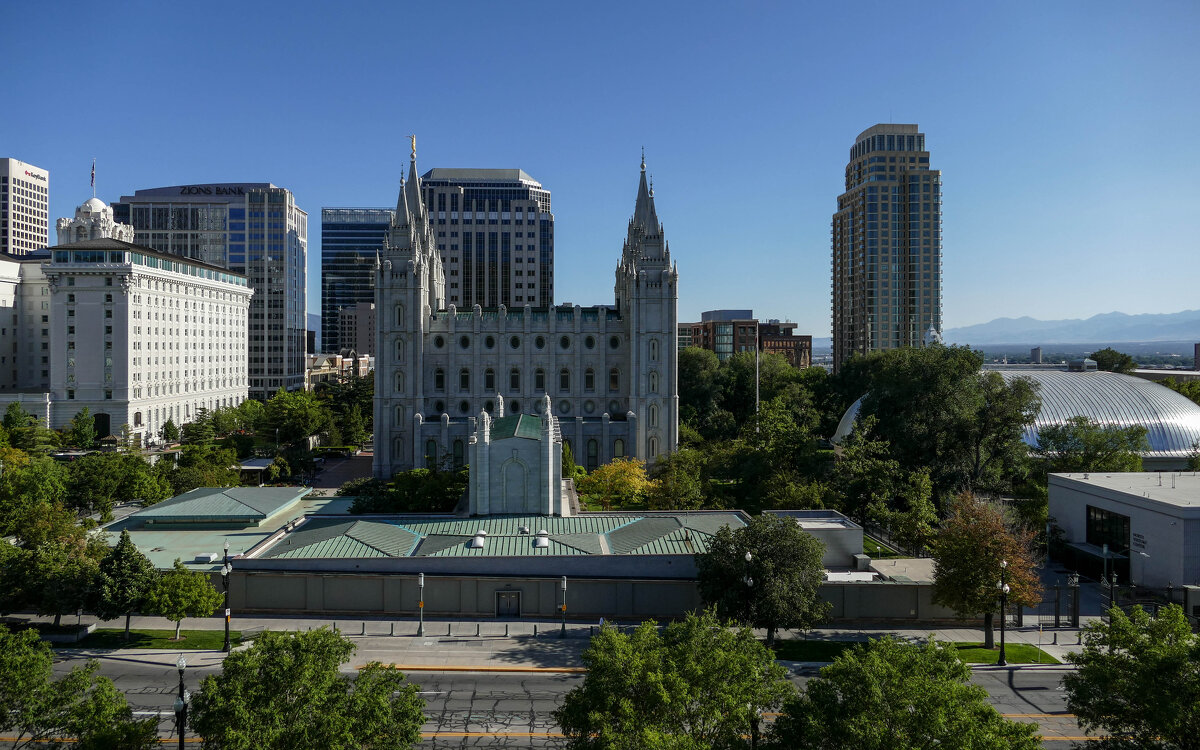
<point x="93" y="177"/>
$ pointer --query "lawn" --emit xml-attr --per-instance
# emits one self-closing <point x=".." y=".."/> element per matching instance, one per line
<point x="877" y="550"/>
<point x="101" y="638"/>
<point x="972" y="653"/>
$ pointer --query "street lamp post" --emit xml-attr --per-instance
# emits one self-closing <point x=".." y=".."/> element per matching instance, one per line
<point x="1004" y="589"/>
<point x="226" y="569"/>
<point x="563" y="633"/>
<point x="181" y="703"/>
<point x="420" y="604"/>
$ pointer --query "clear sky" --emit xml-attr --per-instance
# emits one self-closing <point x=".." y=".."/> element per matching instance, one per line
<point x="1066" y="132"/>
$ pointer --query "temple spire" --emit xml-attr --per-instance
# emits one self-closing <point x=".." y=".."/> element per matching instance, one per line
<point x="412" y="189"/>
<point x="644" y="214"/>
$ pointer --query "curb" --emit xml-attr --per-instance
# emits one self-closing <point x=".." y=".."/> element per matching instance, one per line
<point x="480" y="668"/>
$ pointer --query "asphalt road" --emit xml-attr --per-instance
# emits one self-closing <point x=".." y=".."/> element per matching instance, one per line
<point x="486" y="709"/>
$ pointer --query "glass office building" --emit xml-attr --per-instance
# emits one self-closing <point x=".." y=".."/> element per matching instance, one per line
<point x="351" y="239"/>
<point x="253" y="229"/>
<point x="887" y="245"/>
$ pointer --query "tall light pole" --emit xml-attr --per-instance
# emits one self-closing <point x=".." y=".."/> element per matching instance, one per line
<point x="563" y="633"/>
<point x="226" y="569"/>
<point x="1004" y="589"/>
<point x="420" y="604"/>
<point x="181" y="703"/>
<point x="749" y="581"/>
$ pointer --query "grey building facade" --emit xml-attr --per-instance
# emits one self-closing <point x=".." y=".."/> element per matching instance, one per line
<point x="351" y="240"/>
<point x="887" y="245"/>
<point x="253" y="229"/>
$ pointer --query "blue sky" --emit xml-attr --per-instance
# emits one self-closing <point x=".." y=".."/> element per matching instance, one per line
<point x="1065" y="131"/>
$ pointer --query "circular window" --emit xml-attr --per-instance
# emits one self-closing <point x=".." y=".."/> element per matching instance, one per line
<point x="514" y="342"/>
<point x="540" y="342"/>
<point x="464" y="342"/>
<point x="438" y="342"/>
<point x="439" y="406"/>
<point x="614" y="342"/>
<point x="564" y="342"/>
<point x="539" y="406"/>
<point x="590" y="342"/>
<point x="613" y="407"/>
<point x="515" y="407"/>
<point x="589" y="406"/>
<point x="464" y="407"/>
<point x="490" y="342"/>
<point x="564" y="407"/>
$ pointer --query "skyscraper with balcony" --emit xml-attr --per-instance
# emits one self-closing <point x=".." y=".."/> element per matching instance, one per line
<point x="351" y="240"/>
<point x="887" y="245"/>
<point x="254" y="229"/>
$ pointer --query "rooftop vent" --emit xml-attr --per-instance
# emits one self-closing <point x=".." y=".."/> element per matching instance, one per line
<point x="523" y="530"/>
<point x="477" y="541"/>
<point x="207" y="557"/>
<point x="543" y="532"/>
<point x="541" y="542"/>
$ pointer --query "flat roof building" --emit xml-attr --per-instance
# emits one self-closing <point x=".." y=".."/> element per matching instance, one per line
<point x="351" y="240"/>
<point x="24" y="207"/>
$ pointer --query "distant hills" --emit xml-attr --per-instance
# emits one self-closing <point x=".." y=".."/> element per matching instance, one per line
<point x="1100" y="329"/>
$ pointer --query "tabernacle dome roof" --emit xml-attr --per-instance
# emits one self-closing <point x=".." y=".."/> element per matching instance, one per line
<point x="1172" y="421"/>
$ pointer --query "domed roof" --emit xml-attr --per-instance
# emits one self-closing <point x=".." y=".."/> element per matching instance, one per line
<point x="1172" y="421"/>
<point x="93" y="205"/>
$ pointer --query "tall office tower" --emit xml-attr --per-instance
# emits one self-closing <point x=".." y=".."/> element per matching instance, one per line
<point x="351" y="240"/>
<point x="887" y="245"/>
<point x="24" y="207"/>
<point x="495" y="233"/>
<point x="254" y="229"/>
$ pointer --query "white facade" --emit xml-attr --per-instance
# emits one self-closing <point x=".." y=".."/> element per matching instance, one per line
<point x="93" y="220"/>
<point x="609" y="371"/>
<point x="140" y="337"/>
<point x="24" y="207"/>
<point x="1149" y="520"/>
<point x="516" y="465"/>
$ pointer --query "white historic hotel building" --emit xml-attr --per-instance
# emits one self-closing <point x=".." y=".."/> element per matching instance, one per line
<point x="135" y="335"/>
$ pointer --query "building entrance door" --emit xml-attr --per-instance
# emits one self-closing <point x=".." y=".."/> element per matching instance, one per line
<point x="508" y="604"/>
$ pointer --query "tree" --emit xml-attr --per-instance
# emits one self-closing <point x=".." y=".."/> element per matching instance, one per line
<point x="61" y="579"/>
<point x="1111" y="360"/>
<point x="206" y="465"/>
<point x="865" y="475"/>
<point x="39" y="481"/>
<point x="1136" y="681"/>
<point x="696" y="685"/>
<point x="296" y="415"/>
<point x="354" y="427"/>
<point x="125" y="581"/>
<point x="40" y="710"/>
<point x="890" y="695"/>
<point x="286" y="691"/>
<point x="967" y="555"/>
<point x="26" y="432"/>
<point x="1186" y="388"/>
<point x="415" y="491"/>
<point x="677" y="483"/>
<point x="81" y="432"/>
<point x="169" y="432"/>
<point x="571" y="470"/>
<point x="1082" y="445"/>
<point x="181" y="593"/>
<point x="777" y="587"/>
<point x="912" y="522"/>
<point x="199" y="430"/>
<point x="98" y="481"/>
<point x="619" y="482"/>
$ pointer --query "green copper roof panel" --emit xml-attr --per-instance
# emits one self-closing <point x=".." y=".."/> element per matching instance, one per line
<point x="589" y="543"/>
<point x="511" y="525"/>
<point x="388" y="538"/>
<point x="711" y="523"/>
<point x="505" y="546"/>
<point x="225" y="502"/>
<point x="339" y="547"/>
<point x="518" y="425"/>
<point x="628" y="538"/>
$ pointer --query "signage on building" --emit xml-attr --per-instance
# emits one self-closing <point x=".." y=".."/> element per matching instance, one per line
<point x="212" y="190"/>
<point x="35" y="175"/>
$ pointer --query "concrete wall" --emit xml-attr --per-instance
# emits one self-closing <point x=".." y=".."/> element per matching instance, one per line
<point x="476" y="596"/>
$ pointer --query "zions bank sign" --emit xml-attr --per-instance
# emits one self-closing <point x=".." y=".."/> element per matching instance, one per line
<point x="212" y="190"/>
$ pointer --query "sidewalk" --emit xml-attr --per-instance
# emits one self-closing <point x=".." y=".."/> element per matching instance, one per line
<point x="512" y="645"/>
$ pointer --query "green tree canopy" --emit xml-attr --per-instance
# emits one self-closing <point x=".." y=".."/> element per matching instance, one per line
<point x="286" y="692"/>
<point x="41" y="711"/>
<point x="622" y="481"/>
<point x="60" y="579"/>
<point x="1111" y="360"/>
<point x="889" y="695"/>
<point x="200" y="429"/>
<point x="205" y="465"/>
<point x="125" y="580"/>
<point x="777" y="587"/>
<point x="26" y="486"/>
<point x="1137" y="681"/>
<point x="81" y="431"/>
<point x="677" y="483"/>
<point x="297" y="415"/>
<point x="98" y="481"/>
<point x="414" y="491"/>
<point x="181" y="593"/>
<point x="1082" y="445"/>
<point x="968" y="553"/>
<point x="169" y="432"/>
<point x="697" y="685"/>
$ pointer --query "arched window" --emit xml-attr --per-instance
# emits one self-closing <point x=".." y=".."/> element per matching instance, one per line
<point x="399" y="414"/>
<point x="399" y="316"/>
<point x="137" y="419"/>
<point x="614" y="379"/>
<point x="539" y="380"/>
<point x="514" y="380"/>
<point x="400" y="380"/>
<point x="430" y="454"/>
<point x="593" y="455"/>
<point x="589" y="380"/>
<point x="653" y="381"/>
<point x="618" y="448"/>
<point x="654" y="415"/>
<point x="439" y="379"/>
<point x="653" y="350"/>
<point x="489" y="380"/>
<point x="400" y="350"/>
<point x="564" y="379"/>
<point x="397" y="447"/>
<point x="653" y="450"/>
<point x="458" y="453"/>
<point x="464" y="379"/>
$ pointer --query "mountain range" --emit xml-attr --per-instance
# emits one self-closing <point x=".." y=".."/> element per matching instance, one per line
<point x="1099" y="329"/>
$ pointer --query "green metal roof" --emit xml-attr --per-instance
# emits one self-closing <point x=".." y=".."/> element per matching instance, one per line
<point x="518" y="425"/>
<point x="223" y="503"/>
<point x="342" y="538"/>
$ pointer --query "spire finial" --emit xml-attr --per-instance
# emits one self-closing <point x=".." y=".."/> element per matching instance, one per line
<point x="413" y="140"/>
<point x="643" y="158"/>
<point x="651" y="186"/>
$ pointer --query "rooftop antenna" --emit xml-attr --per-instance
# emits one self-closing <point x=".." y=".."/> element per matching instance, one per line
<point x="93" y="177"/>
